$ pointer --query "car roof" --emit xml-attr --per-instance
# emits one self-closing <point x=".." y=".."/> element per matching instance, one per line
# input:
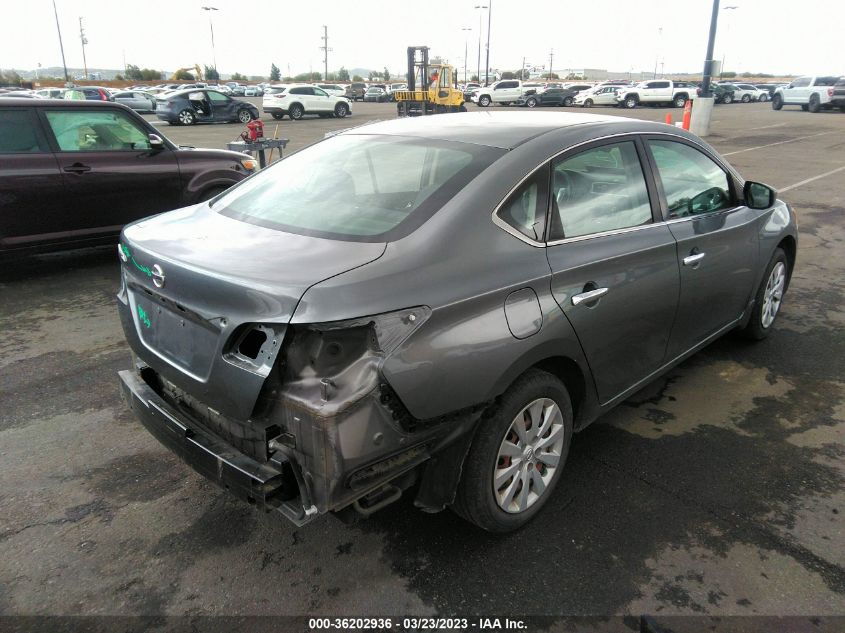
<point x="504" y="130"/>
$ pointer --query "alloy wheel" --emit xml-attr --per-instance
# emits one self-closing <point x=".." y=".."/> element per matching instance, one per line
<point x="528" y="456"/>
<point x="186" y="117"/>
<point x="773" y="295"/>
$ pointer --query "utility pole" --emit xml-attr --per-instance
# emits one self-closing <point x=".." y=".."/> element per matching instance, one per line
<point x="325" y="48"/>
<point x="551" y="59"/>
<point x="84" y="42"/>
<point x="522" y="71"/>
<point x="61" y="46"/>
<point x="211" y="26"/>
<point x="487" y="67"/>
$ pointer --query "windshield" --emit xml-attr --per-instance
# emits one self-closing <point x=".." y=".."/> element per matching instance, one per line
<point x="357" y="187"/>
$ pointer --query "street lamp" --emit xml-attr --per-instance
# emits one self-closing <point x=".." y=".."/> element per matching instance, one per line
<point x="703" y="110"/>
<point x="62" y="46"/>
<point x="481" y="7"/>
<point x="727" y="32"/>
<point x="211" y="26"/>
<point x="466" y="37"/>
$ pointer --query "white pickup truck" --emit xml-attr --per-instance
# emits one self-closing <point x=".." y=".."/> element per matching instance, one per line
<point x="813" y="93"/>
<point x="502" y="92"/>
<point x="656" y="92"/>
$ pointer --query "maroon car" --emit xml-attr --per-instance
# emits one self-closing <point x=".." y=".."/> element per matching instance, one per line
<point x="72" y="173"/>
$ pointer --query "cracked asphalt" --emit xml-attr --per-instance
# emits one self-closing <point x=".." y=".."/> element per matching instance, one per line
<point x="718" y="490"/>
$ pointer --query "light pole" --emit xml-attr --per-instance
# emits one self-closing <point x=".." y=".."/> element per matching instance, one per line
<point x="727" y="32"/>
<point x="657" y="54"/>
<point x="84" y="41"/>
<point x="481" y="7"/>
<point x="211" y="26"/>
<point x="487" y="63"/>
<point x="703" y="110"/>
<point x="466" y="38"/>
<point x="551" y="59"/>
<point x="61" y="45"/>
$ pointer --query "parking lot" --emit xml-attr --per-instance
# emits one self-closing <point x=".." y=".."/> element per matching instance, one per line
<point x="717" y="490"/>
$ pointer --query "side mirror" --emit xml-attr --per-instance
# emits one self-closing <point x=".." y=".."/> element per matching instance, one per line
<point x="758" y="196"/>
<point x="156" y="142"/>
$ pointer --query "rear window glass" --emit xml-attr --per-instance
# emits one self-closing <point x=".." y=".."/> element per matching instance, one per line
<point x="826" y="81"/>
<point x="357" y="187"/>
<point x="275" y="91"/>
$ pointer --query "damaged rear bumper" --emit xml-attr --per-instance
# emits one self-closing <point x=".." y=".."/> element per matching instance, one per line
<point x="269" y="486"/>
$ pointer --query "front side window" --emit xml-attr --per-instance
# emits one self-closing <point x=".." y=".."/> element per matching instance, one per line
<point x="96" y="131"/>
<point x="801" y="82"/>
<point x="600" y="189"/>
<point x="357" y="186"/>
<point x="692" y="182"/>
<point x="18" y="134"/>
<point x="216" y="97"/>
<point x="320" y="93"/>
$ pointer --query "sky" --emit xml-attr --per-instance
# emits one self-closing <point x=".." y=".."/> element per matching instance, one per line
<point x="773" y="36"/>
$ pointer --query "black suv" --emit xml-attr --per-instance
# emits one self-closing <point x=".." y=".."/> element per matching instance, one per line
<point x="72" y="173"/>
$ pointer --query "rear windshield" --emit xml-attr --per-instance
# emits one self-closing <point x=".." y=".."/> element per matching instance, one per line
<point x="275" y="91"/>
<point x="357" y="187"/>
<point x="826" y="81"/>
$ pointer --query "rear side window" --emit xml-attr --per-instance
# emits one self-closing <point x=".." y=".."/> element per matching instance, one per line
<point x="692" y="182"/>
<point x="600" y="189"/>
<point x="92" y="131"/>
<point x="826" y="81"/>
<point x="525" y="208"/>
<point x="18" y="133"/>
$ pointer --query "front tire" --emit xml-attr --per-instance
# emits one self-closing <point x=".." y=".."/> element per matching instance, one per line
<point x="531" y="103"/>
<point x="588" y="103"/>
<point x="746" y="98"/>
<point x="764" y="98"/>
<point x="769" y="297"/>
<point x="244" y="116"/>
<point x="568" y="101"/>
<point x="186" y="117"/>
<point x="680" y="101"/>
<point x="484" y="101"/>
<point x="777" y="102"/>
<point x="728" y="98"/>
<point x="517" y="455"/>
<point x="277" y="115"/>
<point x="295" y="112"/>
<point x="630" y="102"/>
<point x="341" y="110"/>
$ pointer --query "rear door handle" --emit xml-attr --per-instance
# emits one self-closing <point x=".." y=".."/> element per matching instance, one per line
<point x="77" y="168"/>
<point x="692" y="260"/>
<point x="586" y="297"/>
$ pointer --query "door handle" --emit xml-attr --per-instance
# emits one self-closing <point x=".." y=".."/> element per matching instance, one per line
<point x="590" y="295"/>
<point x="77" y="168"/>
<point x="692" y="260"/>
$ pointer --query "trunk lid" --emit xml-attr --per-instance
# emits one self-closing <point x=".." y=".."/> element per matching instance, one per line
<point x="196" y="280"/>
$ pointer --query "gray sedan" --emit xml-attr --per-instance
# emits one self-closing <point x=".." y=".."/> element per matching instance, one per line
<point x="137" y="100"/>
<point x="433" y="306"/>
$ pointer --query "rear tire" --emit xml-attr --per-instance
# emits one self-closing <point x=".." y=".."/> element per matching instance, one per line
<point x="568" y="101"/>
<point x="531" y="102"/>
<point x="244" y="116"/>
<point x="680" y="101"/>
<point x="477" y="499"/>
<point x="777" y="102"/>
<point x="815" y="104"/>
<point x="277" y="115"/>
<point x="764" y="98"/>
<point x="769" y="297"/>
<point x="728" y="98"/>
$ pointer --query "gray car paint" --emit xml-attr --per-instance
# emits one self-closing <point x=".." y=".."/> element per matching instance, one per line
<point x="467" y="270"/>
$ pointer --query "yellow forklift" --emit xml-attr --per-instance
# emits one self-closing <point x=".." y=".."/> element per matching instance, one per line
<point x="432" y="88"/>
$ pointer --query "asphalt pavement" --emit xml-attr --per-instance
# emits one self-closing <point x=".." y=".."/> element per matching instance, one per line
<point x="718" y="490"/>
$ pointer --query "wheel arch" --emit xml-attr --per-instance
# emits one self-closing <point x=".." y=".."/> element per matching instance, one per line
<point x="789" y="246"/>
